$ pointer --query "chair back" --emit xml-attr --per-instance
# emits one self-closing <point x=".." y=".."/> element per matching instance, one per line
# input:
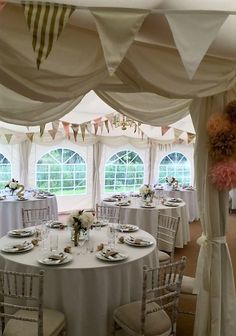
<point x="21" y="291"/>
<point x="32" y="216"/>
<point x="161" y="290"/>
<point x="112" y="213"/>
<point x="167" y="228"/>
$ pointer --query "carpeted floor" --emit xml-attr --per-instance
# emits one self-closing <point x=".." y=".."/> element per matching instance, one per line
<point x="186" y="322"/>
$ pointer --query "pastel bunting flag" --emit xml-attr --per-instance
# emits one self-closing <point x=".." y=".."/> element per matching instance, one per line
<point x="52" y="133"/>
<point x="75" y="129"/>
<point x="41" y="129"/>
<point x="66" y="126"/>
<point x="8" y="137"/>
<point x="30" y="136"/>
<point x="116" y="42"/>
<point x="177" y="133"/>
<point x="83" y="129"/>
<point x="191" y="137"/>
<point x="45" y="22"/>
<point x="164" y="129"/>
<point x="107" y="126"/>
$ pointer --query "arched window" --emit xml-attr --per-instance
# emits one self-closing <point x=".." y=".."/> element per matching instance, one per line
<point x="175" y="165"/>
<point x="124" y="171"/>
<point x="62" y="171"/>
<point x="5" y="171"/>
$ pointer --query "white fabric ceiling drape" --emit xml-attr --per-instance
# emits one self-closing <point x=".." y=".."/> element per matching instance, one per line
<point x="77" y="65"/>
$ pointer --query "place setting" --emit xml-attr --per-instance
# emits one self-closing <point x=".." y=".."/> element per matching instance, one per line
<point x="138" y="241"/>
<point x="18" y="247"/>
<point x="55" y="224"/>
<point x="21" y="233"/>
<point x="55" y="258"/>
<point x="126" y="227"/>
<point x="110" y="254"/>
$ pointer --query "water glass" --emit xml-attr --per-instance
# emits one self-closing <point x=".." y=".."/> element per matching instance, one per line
<point x="111" y="235"/>
<point x="53" y="241"/>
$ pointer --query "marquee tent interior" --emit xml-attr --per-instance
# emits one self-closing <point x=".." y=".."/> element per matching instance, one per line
<point x="154" y="61"/>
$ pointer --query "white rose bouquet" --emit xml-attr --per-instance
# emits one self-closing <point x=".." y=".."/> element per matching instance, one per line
<point x="171" y="181"/>
<point x="147" y="191"/>
<point x="12" y="185"/>
<point x="81" y="219"/>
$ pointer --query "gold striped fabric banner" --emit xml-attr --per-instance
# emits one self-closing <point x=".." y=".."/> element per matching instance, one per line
<point x="45" y="22"/>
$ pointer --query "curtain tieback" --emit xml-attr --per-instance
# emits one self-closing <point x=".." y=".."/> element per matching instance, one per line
<point x="203" y="239"/>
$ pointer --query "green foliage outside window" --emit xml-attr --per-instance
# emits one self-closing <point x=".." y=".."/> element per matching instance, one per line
<point x="5" y="171"/>
<point x="61" y="171"/>
<point x="124" y="172"/>
<point x="175" y="165"/>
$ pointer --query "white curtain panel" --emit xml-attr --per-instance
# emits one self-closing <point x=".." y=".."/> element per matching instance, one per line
<point x="97" y="156"/>
<point x="24" y="151"/>
<point x="214" y="275"/>
<point x="153" y="149"/>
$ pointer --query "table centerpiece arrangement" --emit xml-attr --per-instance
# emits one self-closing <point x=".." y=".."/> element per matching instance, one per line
<point x="81" y="222"/>
<point x="13" y="185"/>
<point x="172" y="182"/>
<point x="147" y="193"/>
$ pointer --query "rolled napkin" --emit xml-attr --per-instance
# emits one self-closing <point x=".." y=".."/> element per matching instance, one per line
<point x="19" y="247"/>
<point x="60" y="256"/>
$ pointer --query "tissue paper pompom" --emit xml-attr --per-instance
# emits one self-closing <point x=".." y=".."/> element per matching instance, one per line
<point x="223" y="145"/>
<point x="231" y="111"/>
<point x="223" y="175"/>
<point x="218" y="123"/>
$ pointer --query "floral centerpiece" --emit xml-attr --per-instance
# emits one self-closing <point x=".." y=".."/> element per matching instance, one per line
<point x="81" y="222"/>
<point x="172" y="182"/>
<point x="146" y="192"/>
<point x="12" y="185"/>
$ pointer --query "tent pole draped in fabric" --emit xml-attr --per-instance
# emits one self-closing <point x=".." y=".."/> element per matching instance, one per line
<point x="214" y="275"/>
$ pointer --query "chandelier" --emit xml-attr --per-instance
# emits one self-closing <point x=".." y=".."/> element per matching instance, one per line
<point x="123" y="122"/>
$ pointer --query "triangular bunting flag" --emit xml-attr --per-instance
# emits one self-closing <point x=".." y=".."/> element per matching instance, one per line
<point x="55" y="125"/>
<point x="30" y="136"/>
<point x="193" y="35"/>
<point x="66" y="126"/>
<point x="52" y="133"/>
<point x="107" y="126"/>
<point x="45" y="22"/>
<point x="191" y="137"/>
<point x="115" y="42"/>
<point x="2" y="5"/>
<point x="164" y="129"/>
<point x="89" y="127"/>
<point x="41" y="130"/>
<point x="95" y="128"/>
<point x="177" y="133"/>
<point x="75" y="129"/>
<point x="8" y="137"/>
<point x="83" y="129"/>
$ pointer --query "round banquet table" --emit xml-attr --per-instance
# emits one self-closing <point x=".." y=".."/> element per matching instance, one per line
<point x="87" y="289"/>
<point x="188" y="196"/>
<point x="11" y="214"/>
<point x="146" y="218"/>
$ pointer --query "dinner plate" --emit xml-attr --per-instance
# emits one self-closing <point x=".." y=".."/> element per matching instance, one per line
<point x="148" y="206"/>
<point x="122" y="203"/>
<point x="138" y="241"/>
<point x="175" y="200"/>
<point x="171" y="204"/>
<point x="127" y="228"/>
<point x="105" y="255"/>
<point x="22" y="199"/>
<point x="110" y="200"/>
<point x="14" y="249"/>
<point x="55" y="225"/>
<point x="41" y="197"/>
<point x="45" y="259"/>
<point x="99" y="223"/>
<point x="21" y="233"/>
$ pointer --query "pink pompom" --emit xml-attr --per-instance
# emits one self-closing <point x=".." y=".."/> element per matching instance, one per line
<point x="223" y="175"/>
<point x="218" y="123"/>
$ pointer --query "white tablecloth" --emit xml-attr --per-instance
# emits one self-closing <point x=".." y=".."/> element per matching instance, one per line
<point x="146" y="218"/>
<point x="188" y="196"/>
<point x="87" y="290"/>
<point x="11" y="214"/>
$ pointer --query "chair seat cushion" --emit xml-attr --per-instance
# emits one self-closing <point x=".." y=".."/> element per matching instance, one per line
<point x="163" y="256"/>
<point x="157" y="322"/>
<point x="53" y="323"/>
